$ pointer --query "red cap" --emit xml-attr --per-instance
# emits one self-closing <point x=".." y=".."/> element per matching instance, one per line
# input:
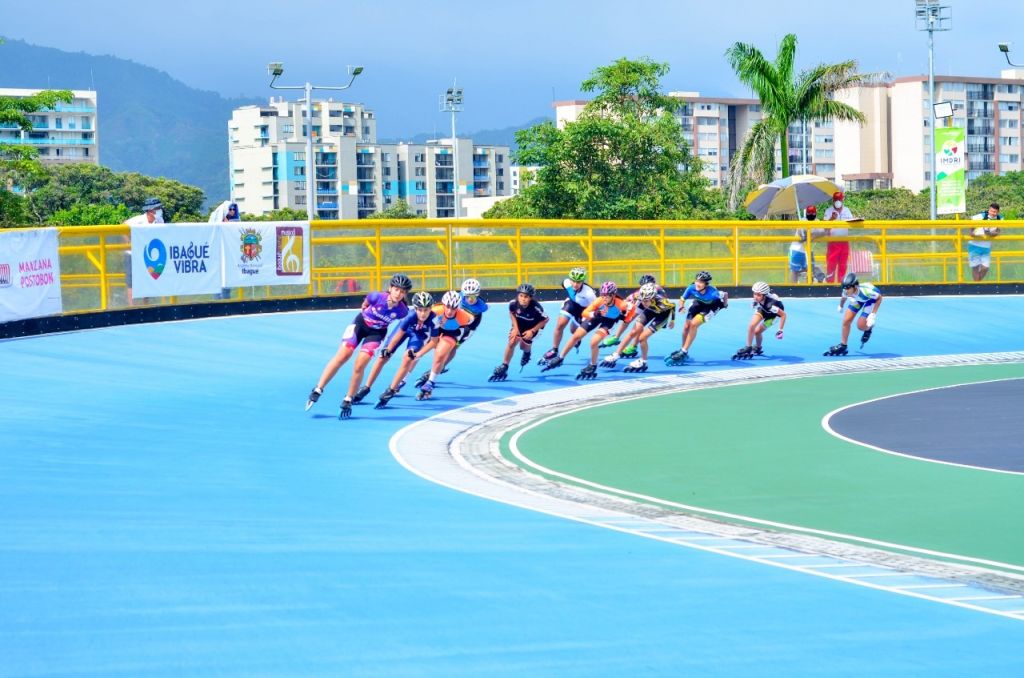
<point x="811" y="209"/>
<point x="838" y="195"/>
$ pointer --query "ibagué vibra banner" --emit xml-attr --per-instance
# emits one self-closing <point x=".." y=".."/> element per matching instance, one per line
<point x="176" y="259"/>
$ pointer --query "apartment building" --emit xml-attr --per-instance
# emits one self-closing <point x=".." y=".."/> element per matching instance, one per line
<point x="355" y="176"/>
<point x="69" y="132"/>
<point x="715" y="128"/>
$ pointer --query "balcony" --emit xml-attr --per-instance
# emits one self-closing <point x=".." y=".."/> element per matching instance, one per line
<point x="446" y="202"/>
<point x="481" y="176"/>
<point x="445" y="174"/>
<point x="443" y="161"/>
<point x="366" y="188"/>
<point x="51" y="142"/>
<point x="326" y="173"/>
<point x="365" y="160"/>
<point x="481" y="163"/>
<point x="444" y="188"/>
<point x="327" y="205"/>
<point x="364" y="174"/>
<point x="367" y="203"/>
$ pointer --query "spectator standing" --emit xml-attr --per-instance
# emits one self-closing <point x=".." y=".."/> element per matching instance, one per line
<point x="152" y="213"/>
<point x="979" y="248"/>
<point x="837" y="254"/>
<point x="798" y="254"/>
<point x="230" y="214"/>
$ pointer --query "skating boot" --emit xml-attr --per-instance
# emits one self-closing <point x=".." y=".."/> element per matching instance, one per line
<point x="401" y="385"/>
<point x="346" y="409"/>
<point x="677" y="358"/>
<point x="314" y="396"/>
<point x="547" y="357"/>
<point x="552" y="364"/>
<point x="725" y="299"/>
<point x="387" y="395"/>
<point x="423" y="379"/>
<point x="500" y="373"/>
<point x="638" y="365"/>
<point x="745" y="353"/>
<point x="838" y="349"/>
<point x="524" y="360"/>
<point x="758" y="350"/>
<point x="426" y="390"/>
<point x="610" y="341"/>
<point x="610" y="360"/>
<point x="864" y="337"/>
<point x="360" y="394"/>
<point x="587" y="373"/>
<point x="630" y="352"/>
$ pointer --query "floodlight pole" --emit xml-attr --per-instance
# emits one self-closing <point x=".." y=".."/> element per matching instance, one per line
<point x="275" y="70"/>
<point x="931" y="17"/>
<point x="451" y="102"/>
<point x="1004" y="47"/>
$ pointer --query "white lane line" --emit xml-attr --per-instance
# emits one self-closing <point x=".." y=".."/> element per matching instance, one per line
<point x="827" y="425"/>
<point x="440" y="450"/>
<point x="964" y="598"/>
<point x="930" y="586"/>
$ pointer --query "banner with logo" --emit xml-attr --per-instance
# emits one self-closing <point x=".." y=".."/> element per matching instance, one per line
<point x="265" y="253"/>
<point x="29" y="273"/>
<point x="950" y="184"/>
<point x="176" y="259"/>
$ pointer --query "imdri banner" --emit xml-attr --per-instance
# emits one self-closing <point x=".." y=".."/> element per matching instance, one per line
<point x="950" y="179"/>
<point x="29" y="273"/>
<point x="176" y="259"/>
<point x="265" y="253"/>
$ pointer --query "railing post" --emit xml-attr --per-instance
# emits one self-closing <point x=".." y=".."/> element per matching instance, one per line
<point x="450" y="255"/>
<point x="883" y="253"/>
<point x="379" y="258"/>
<point x="313" y="277"/>
<point x="661" y="265"/>
<point x="590" y="251"/>
<point x="736" y="255"/>
<point x="959" y="256"/>
<point x="519" y="254"/>
<point x="104" y="283"/>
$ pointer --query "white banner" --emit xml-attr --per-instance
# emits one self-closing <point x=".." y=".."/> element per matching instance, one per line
<point x="175" y="259"/>
<point x="265" y="253"/>
<point x="29" y="273"/>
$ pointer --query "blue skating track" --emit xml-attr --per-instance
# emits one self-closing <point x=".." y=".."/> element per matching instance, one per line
<point x="167" y="508"/>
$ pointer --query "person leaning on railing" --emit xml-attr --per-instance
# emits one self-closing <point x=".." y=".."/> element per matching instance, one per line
<point x="979" y="249"/>
<point x="837" y="254"/>
<point x="152" y="213"/>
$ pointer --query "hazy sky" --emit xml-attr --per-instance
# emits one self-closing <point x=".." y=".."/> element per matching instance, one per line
<point x="511" y="57"/>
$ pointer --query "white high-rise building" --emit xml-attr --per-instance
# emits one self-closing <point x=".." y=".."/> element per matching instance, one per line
<point x="65" y="134"/>
<point x="355" y="175"/>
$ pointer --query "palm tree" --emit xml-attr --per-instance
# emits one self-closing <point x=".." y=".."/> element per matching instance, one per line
<point x="785" y="100"/>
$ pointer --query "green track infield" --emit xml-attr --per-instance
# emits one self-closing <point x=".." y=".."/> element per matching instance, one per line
<point x="759" y="452"/>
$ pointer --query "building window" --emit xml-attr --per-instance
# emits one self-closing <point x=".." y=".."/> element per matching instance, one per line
<point x="421" y="185"/>
<point x="823" y="138"/>
<point x="1009" y="141"/>
<point x="421" y="171"/>
<point x="299" y="156"/>
<point x="366" y="131"/>
<point x="335" y="128"/>
<point x="384" y="157"/>
<point x="707" y="121"/>
<point x="753" y="108"/>
<point x="300" y="185"/>
<point x="419" y="157"/>
<point x="499" y="157"/>
<point x="1009" y="157"/>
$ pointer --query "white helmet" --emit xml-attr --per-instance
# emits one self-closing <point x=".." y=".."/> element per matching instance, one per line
<point x="470" y="286"/>
<point x="452" y="299"/>
<point x="761" y="287"/>
<point x="647" y="291"/>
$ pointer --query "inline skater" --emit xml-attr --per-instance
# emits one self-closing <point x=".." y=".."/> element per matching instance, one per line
<point x="767" y="308"/>
<point x="601" y="315"/>
<point x="615" y="339"/>
<point x="473" y="304"/>
<point x="528" y="319"/>
<point x="579" y="295"/>
<point x="421" y="331"/>
<point x="379" y="310"/>
<point x="706" y="302"/>
<point x="655" y="310"/>
<point x="859" y="299"/>
<point x="451" y="319"/>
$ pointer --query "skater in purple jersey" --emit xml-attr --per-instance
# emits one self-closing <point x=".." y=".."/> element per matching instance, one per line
<point x="366" y="332"/>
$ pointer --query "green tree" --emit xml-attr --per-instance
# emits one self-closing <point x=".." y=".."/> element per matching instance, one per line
<point x="18" y="164"/>
<point x="82" y="214"/>
<point x="1007" y="190"/>
<point x="785" y="98"/>
<point x="400" y="210"/>
<point x="283" y="214"/>
<point x="624" y="158"/>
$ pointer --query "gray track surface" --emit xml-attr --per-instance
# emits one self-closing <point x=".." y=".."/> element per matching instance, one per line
<point x="971" y="424"/>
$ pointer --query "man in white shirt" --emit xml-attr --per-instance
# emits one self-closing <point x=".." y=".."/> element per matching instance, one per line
<point x="979" y="249"/>
<point x="837" y="254"/>
<point x="152" y="213"/>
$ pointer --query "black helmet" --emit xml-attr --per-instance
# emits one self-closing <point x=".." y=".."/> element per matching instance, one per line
<point x="646" y="278"/>
<point x="850" y="280"/>
<point x="399" y="280"/>
<point x="704" y="276"/>
<point x="527" y="289"/>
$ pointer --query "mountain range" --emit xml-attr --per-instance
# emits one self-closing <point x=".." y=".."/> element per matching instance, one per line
<point x="148" y="122"/>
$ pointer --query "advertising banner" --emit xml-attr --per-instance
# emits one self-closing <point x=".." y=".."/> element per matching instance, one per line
<point x="176" y="259"/>
<point x="29" y="273"/>
<point x="265" y="253"/>
<point x="950" y="179"/>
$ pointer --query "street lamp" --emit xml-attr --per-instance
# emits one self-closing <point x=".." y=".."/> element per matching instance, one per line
<point x="1004" y="47"/>
<point x="930" y="16"/>
<point x="275" y="69"/>
<point x="451" y="102"/>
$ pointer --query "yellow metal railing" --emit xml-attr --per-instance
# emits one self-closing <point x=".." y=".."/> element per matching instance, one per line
<point x="438" y="254"/>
